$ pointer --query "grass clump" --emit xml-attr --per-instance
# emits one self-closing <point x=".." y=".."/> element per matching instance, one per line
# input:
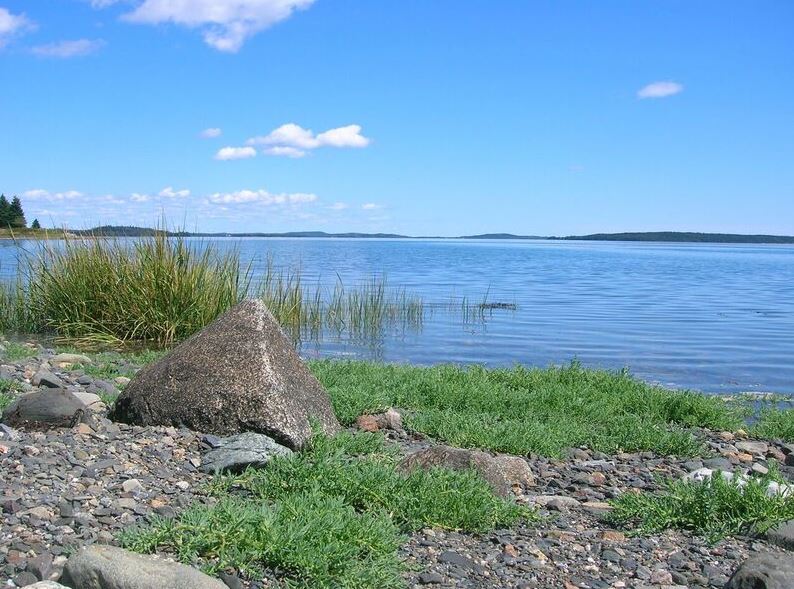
<point x="525" y="410"/>
<point x="157" y="288"/>
<point x="332" y="516"/>
<point x="715" y="508"/>
<point x="7" y="389"/>
<point x="15" y="351"/>
<point x="775" y="424"/>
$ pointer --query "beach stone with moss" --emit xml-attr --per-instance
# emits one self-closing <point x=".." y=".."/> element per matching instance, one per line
<point x="240" y="373"/>
<point x="502" y="473"/>
<point x="236" y="453"/>
<point x="108" y="567"/>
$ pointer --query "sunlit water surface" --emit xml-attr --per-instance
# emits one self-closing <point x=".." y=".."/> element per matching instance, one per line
<point x="718" y="318"/>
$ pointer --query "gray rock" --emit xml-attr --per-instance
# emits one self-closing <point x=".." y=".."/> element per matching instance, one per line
<point x="238" y="452"/>
<point x="764" y="571"/>
<point x="782" y="535"/>
<point x="240" y="373"/>
<point x="107" y="567"/>
<point x="759" y="448"/>
<point x="45" y="585"/>
<point x="500" y="473"/>
<point x="90" y="400"/>
<point x="70" y="359"/>
<point x="54" y="407"/>
<point x="45" y="378"/>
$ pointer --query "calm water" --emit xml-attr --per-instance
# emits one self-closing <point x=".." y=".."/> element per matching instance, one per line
<point x="713" y="317"/>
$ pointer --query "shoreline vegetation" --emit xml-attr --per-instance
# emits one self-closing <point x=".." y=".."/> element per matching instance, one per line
<point x="648" y="236"/>
<point x="159" y="289"/>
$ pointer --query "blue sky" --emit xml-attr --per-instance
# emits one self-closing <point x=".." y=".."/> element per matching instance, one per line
<point x="412" y="116"/>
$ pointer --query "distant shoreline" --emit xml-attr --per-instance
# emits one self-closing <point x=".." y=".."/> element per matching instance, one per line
<point x="647" y="237"/>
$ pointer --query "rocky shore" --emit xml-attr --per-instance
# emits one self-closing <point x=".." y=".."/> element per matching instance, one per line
<point x="71" y="485"/>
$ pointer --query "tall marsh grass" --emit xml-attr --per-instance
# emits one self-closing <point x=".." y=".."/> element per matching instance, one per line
<point x="157" y="289"/>
<point x="161" y="289"/>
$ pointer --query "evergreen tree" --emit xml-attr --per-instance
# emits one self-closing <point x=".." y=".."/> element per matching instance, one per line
<point x="5" y="212"/>
<point x="35" y="224"/>
<point x="17" y="215"/>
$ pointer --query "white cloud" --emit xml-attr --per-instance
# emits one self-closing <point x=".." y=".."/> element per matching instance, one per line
<point x="338" y="206"/>
<point x="210" y="133"/>
<point x="137" y="197"/>
<point x="262" y="197"/>
<point x="225" y="24"/>
<point x="235" y="153"/>
<point x="169" y="192"/>
<point x="292" y="140"/>
<point x="370" y="206"/>
<point x="67" y="49"/>
<point x="660" y="90"/>
<point x="12" y="25"/>
<point x="38" y="193"/>
<point x="280" y="150"/>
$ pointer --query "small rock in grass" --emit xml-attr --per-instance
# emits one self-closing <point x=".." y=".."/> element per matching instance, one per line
<point x="107" y="567"/>
<point x="70" y="359"/>
<point x="501" y="473"/>
<point x="236" y="453"/>
<point x="367" y="423"/>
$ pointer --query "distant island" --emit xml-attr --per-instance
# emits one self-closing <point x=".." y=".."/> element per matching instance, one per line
<point x="651" y="236"/>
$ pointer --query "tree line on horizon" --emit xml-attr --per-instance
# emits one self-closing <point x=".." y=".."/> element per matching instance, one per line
<point x="12" y="215"/>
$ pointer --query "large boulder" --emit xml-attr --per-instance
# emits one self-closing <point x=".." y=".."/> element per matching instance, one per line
<point x="108" y="567"/>
<point x="47" y="407"/>
<point x="240" y="373"/>
<point x="764" y="571"/>
<point x="503" y="473"/>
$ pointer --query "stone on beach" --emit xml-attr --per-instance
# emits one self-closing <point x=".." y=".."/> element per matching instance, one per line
<point x="240" y="373"/>
<point x="500" y="473"/>
<point x="238" y="452"/>
<point x="53" y="407"/>
<point x="764" y="571"/>
<point x="108" y="567"/>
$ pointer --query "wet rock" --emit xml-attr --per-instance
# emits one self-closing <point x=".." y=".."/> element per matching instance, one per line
<point x="500" y="473"/>
<point x="764" y="571"/>
<point x="236" y="453"/>
<point x="107" y="567"/>
<point x="240" y="373"/>
<point x="54" y="407"/>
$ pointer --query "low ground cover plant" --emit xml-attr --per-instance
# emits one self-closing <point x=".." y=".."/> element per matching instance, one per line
<point x="774" y="424"/>
<point x="715" y="508"/>
<point x="528" y="410"/>
<point x="332" y="516"/>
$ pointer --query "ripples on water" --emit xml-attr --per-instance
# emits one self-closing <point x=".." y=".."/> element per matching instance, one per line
<point x="709" y="316"/>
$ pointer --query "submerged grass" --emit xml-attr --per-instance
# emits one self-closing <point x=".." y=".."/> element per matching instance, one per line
<point x="528" y="410"/>
<point x="332" y="516"/>
<point x="715" y="508"/>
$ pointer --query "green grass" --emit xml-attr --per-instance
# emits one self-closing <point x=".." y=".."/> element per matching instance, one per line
<point x="109" y="291"/>
<point x="332" y="516"/>
<point x="522" y="410"/>
<point x="14" y="352"/>
<point x="715" y="508"/>
<point x="7" y="388"/>
<point x="774" y="424"/>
